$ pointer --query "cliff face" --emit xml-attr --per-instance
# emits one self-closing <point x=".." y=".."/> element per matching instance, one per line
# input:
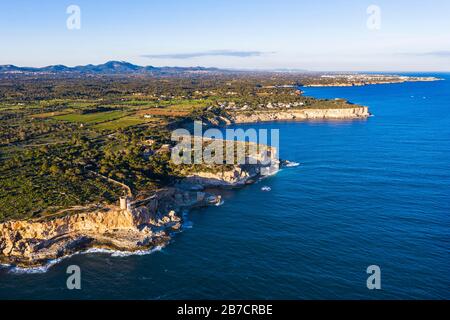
<point x="148" y="224"/>
<point x="29" y="243"/>
<point x="145" y="224"/>
<point x="238" y="176"/>
<point x="265" y="162"/>
<point x="303" y="114"/>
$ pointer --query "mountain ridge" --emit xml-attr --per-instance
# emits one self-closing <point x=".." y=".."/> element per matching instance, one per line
<point x="110" y="67"/>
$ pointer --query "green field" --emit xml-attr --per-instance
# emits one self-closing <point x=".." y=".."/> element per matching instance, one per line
<point x="92" y="118"/>
<point x="121" y="123"/>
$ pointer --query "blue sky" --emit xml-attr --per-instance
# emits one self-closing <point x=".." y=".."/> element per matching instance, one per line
<point x="257" y="34"/>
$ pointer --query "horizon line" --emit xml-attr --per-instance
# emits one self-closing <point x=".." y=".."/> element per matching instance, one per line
<point x="277" y="69"/>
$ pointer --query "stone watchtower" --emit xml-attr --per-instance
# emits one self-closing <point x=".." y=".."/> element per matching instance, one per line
<point x="124" y="203"/>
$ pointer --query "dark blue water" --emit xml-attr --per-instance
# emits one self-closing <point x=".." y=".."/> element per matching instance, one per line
<point x="367" y="192"/>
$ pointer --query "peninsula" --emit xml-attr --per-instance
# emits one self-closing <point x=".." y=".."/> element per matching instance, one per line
<point x="359" y="79"/>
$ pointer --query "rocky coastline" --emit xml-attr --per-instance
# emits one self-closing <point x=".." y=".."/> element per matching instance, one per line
<point x="144" y="223"/>
<point x="357" y="112"/>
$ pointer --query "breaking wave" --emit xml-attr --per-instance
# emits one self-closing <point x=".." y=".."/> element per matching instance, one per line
<point x="290" y="164"/>
<point x="51" y="263"/>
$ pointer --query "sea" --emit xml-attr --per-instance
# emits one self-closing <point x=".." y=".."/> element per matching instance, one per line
<point x="372" y="192"/>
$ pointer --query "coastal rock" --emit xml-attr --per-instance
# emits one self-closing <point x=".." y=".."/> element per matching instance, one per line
<point x="146" y="223"/>
<point x="303" y="114"/>
<point x="239" y="175"/>
<point x="30" y="243"/>
<point x="234" y="177"/>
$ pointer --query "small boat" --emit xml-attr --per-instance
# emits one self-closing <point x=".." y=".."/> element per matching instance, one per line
<point x="267" y="189"/>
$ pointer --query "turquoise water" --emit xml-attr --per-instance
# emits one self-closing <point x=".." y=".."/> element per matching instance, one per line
<point x="367" y="192"/>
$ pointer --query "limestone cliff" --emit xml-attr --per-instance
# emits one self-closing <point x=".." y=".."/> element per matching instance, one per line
<point x="237" y="176"/>
<point x="260" y="160"/>
<point x="302" y="114"/>
<point x="147" y="224"/>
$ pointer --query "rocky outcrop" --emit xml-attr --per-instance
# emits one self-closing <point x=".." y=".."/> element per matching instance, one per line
<point x="147" y="224"/>
<point x="260" y="160"/>
<point x="238" y="176"/>
<point x="134" y="226"/>
<point x="302" y="114"/>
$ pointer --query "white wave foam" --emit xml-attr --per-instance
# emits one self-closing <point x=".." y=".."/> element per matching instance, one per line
<point x="136" y="253"/>
<point x="118" y="253"/>
<point x="273" y="173"/>
<point x="97" y="250"/>
<point x="51" y="263"/>
<point x="41" y="269"/>
<point x="290" y="164"/>
<point x="221" y="202"/>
